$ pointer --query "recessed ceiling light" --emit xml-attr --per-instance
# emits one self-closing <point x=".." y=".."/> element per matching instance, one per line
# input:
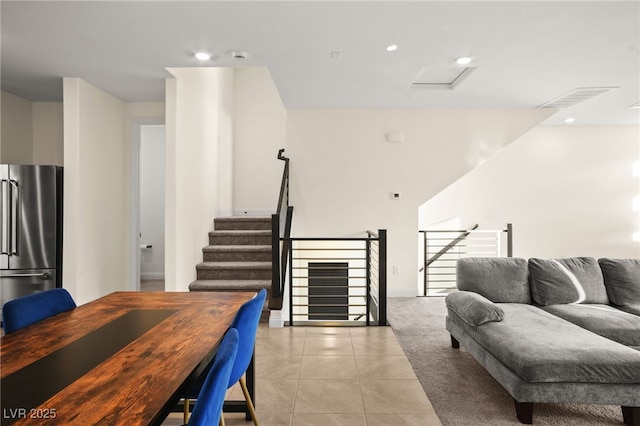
<point x="203" y="56"/>
<point x="569" y="120"/>
<point x="464" y="60"/>
<point x="392" y="48"/>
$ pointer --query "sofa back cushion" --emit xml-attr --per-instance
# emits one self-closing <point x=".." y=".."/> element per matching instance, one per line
<point x="572" y="280"/>
<point x="622" y="280"/>
<point x="499" y="279"/>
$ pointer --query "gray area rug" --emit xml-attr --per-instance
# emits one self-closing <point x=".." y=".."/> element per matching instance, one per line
<point x="459" y="388"/>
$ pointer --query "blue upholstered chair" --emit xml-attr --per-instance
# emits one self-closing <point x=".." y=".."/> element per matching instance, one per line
<point x="208" y="408"/>
<point x="246" y="322"/>
<point x="26" y="310"/>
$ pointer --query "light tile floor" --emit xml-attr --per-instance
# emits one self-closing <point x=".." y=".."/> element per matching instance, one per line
<point x="356" y="376"/>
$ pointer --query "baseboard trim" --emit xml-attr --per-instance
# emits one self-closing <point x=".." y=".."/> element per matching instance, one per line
<point x="253" y="212"/>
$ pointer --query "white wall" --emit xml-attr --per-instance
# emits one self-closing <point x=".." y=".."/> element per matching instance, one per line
<point x="16" y="130"/>
<point x="96" y="220"/>
<point x="31" y="131"/>
<point x="343" y="171"/>
<point x="259" y="132"/>
<point x="199" y="132"/>
<point x="567" y="190"/>
<point x="48" y="137"/>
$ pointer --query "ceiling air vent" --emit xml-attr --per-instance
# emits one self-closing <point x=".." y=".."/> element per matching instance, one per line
<point x="440" y="77"/>
<point x="576" y="96"/>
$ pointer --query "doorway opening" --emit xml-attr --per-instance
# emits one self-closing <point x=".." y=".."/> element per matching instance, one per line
<point x="147" y="205"/>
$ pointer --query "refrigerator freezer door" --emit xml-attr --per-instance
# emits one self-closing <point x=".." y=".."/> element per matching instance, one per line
<point x="33" y="227"/>
<point x="15" y="284"/>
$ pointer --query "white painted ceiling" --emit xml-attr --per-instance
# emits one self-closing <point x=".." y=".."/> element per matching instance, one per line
<point x="526" y="53"/>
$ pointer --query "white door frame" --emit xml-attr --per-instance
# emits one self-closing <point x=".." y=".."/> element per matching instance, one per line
<point x="134" y="199"/>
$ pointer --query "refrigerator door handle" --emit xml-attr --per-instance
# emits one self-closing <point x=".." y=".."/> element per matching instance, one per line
<point x="4" y="229"/>
<point x="14" y="199"/>
<point x="41" y="275"/>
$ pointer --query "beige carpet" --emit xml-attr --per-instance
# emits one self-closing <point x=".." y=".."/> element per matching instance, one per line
<point x="459" y="388"/>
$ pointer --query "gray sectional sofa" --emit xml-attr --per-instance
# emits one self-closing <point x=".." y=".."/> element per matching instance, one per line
<point x="552" y="330"/>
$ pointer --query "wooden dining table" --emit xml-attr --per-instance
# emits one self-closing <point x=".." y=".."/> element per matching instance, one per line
<point x="119" y="360"/>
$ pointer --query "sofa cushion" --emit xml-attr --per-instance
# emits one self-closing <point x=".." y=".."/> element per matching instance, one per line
<point x="632" y="309"/>
<point x="472" y="308"/>
<point x="499" y="279"/>
<point x="540" y="347"/>
<point x="604" y="320"/>
<point x="573" y="280"/>
<point x="622" y="280"/>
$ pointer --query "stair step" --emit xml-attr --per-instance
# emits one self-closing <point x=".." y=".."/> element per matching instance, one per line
<point x="237" y="253"/>
<point x="230" y="285"/>
<point x="233" y="271"/>
<point x="243" y="223"/>
<point x="240" y="237"/>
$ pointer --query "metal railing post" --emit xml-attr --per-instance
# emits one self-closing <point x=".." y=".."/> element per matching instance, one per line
<point x="425" y="268"/>
<point x="368" y="273"/>
<point x="290" y="254"/>
<point x="382" y="278"/>
<point x="275" y="256"/>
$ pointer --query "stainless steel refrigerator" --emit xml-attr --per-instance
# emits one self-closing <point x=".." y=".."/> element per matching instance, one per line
<point x="30" y="230"/>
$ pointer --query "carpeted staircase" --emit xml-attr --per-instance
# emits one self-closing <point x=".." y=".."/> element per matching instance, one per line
<point x="238" y="257"/>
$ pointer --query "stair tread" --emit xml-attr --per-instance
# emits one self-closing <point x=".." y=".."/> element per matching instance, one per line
<point x="257" y="217"/>
<point x="241" y="231"/>
<point x="229" y="285"/>
<point x="237" y="247"/>
<point x="234" y="265"/>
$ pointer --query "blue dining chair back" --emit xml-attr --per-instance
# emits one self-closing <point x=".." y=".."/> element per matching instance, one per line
<point x="246" y="321"/>
<point x="208" y="408"/>
<point x="26" y="310"/>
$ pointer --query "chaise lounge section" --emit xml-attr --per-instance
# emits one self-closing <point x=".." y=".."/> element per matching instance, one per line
<point x="548" y="330"/>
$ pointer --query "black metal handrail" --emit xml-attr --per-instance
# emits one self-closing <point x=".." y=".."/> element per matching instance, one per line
<point x="280" y="232"/>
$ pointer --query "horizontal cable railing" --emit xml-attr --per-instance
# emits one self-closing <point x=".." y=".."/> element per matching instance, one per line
<point x="441" y="250"/>
<point x="338" y="281"/>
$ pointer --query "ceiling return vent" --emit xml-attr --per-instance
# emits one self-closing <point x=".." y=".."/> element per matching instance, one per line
<point x="576" y="96"/>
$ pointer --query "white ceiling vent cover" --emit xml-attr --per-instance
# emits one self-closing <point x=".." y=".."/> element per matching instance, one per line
<point x="576" y="96"/>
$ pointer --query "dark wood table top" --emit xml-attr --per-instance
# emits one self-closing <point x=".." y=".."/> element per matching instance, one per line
<point x="124" y="358"/>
